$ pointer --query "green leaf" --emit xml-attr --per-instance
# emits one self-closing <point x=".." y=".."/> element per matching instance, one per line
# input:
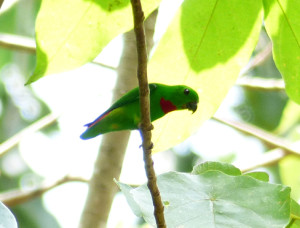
<point x="289" y="168"/>
<point x="6" y="217"/>
<point x="126" y="189"/>
<point x="205" y="47"/>
<point x="70" y="33"/>
<point x="295" y="209"/>
<point x="214" y="199"/>
<point x="217" y="166"/>
<point x="295" y="215"/>
<point x="289" y="118"/>
<point x="262" y="176"/>
<point x="283" y="26"/>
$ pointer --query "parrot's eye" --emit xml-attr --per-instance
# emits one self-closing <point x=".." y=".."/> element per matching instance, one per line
<point x="186" y="91"/>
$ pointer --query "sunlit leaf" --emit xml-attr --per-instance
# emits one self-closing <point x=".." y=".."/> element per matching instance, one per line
<point x="290" y="174"/>
<point x="6" y="217"/>
<point x="258" y="175"/>
<point x="205" y="47"/>
<point x="214" y="199"/>
<point x="70" y="33"/>
<point x="217" y="166"/>
<point x="289" y="118"/>
<point x="283" y="26"/>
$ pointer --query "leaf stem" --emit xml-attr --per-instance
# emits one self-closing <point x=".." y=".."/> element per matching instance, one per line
<point x="145" y="125"/>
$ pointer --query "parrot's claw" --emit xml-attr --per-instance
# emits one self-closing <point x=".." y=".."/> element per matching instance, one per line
<point x="151" y="146"/>
<point x="151" y="127"/>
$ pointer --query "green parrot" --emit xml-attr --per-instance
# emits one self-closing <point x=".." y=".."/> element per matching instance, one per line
<point x="124" y="114"/>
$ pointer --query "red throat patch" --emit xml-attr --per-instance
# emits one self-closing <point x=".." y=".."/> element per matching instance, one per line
<point x="167" y="106"/>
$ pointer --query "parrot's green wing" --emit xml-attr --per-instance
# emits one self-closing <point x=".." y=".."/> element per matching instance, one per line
<point x="130" y="97"/>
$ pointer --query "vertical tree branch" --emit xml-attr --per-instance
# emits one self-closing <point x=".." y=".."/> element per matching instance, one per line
<point x="109" y="161"/>
<point x="145" y="125"/>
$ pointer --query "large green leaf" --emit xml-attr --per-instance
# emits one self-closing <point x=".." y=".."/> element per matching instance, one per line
<point x="205" y="47"/>
<point x="289" y="120"/>
<point x="290" y="174"/>
<point x="6" y="217"/>
<point x="282" y="23"/>
<point x="70" y="33"/>
<point x="220" y="166"/>
<point x="295" y="215"/>
<point x="228" y="169"/>
<point x="214" y="199"/>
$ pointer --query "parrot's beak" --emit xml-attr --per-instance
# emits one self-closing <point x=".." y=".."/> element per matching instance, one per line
<point x="192" y="106"/>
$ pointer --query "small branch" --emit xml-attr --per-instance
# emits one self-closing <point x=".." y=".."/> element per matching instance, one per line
<point x="261" y="83"/>
<point x="14" y="140"/>
<point x="146" y="126"/>
<point x="16" y="197"/>
<point x="267" y="159"/>
<point x="104" y="65"/>
<point x="20" y="43"/>
<point x="259" y="58"/>
<point x="260" y="134"/>
<point x="17" y="43"/>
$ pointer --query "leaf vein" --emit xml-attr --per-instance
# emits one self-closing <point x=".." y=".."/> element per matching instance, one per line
<point x="288" y="22"/>
<point x="203" y="36"/>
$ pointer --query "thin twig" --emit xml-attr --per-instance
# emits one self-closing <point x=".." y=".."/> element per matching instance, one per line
<point x="261" y="83"/>
<point x="259" y="58"/>
<point x="266" y="137"/>
<point x="16" y="197"/>
<point x="20" y="43"/>
<point x="14" y="140"/>
<point x="17" y="42"/>
<point x="146" y="126"/>
<point x="266" y="159"/>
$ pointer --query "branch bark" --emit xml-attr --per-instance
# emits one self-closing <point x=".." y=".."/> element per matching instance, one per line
<point x="145" y="125"/>
<point x="267" y="159"/>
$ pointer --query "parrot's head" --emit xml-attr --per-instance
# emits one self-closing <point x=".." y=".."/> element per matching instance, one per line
<point x="187" y="98"/>
<point x="180" y="97"/>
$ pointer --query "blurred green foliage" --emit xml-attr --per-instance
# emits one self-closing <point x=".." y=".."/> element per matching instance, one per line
<point x="19" y="107"/>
